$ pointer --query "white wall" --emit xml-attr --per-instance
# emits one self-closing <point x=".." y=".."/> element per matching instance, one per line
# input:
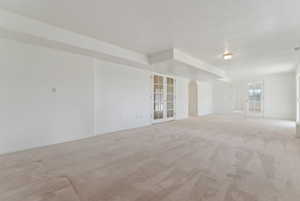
<point x="222" y="97"/>
<point x="122" y="97"/>
<point x="182" y="98"/>
<point x="50" y="96"/>
<point x="31" y="113"/>
<point x="279" y="96"/>
<point x="205" y="98"/>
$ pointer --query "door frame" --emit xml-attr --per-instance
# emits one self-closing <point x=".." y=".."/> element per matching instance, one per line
<point x="165" y="76"/>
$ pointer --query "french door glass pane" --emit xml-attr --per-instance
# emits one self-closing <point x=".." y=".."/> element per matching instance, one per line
<point x="158" y="97"/>
<point x="170" y="97"/>
<point x="255" y="92"/>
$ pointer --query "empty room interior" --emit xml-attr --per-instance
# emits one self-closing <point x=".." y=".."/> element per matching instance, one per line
<point x="149" y="100"/>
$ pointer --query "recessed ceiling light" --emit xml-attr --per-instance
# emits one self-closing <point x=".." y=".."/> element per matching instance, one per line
<point x="227" y="56"/>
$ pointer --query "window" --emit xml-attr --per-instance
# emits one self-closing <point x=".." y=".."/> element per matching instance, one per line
<point x="255" y="97"/>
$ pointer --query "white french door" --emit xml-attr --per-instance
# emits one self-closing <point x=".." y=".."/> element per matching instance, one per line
<point x="255" y="99"/>
<point x="163" y="98"/>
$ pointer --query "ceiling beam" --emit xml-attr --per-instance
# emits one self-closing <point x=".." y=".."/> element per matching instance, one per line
<point x="21" y="28"/>
<point x="182" y="58"/>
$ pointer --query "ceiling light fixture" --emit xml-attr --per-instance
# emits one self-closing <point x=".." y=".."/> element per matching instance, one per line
<point x="227" y="56"/>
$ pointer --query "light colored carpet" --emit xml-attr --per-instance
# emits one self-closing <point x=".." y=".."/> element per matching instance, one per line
<point x="213" y="158"/>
